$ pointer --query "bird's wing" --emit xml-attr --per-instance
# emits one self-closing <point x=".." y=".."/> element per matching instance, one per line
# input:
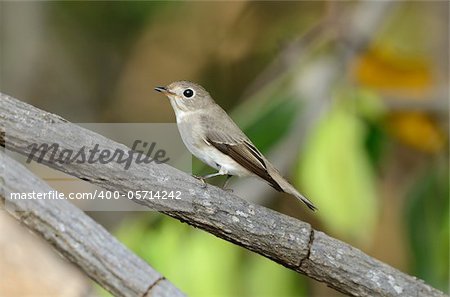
<point x="241" y="150"/>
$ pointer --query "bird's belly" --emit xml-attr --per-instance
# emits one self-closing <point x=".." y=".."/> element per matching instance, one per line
<point x="209" y="154"/>
<point x="194" y="144"/>
<point x="223" y="163"/>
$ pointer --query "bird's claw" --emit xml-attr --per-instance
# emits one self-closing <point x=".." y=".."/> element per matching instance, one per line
<point x="200" y="178"/>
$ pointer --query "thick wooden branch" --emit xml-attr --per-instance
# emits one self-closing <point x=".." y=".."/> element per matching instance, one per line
<point x="283" y="239"/>
<point x="79" y="238"/>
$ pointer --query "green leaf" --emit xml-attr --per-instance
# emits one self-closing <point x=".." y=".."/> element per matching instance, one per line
<point x="203" y="265"/>
<point x="272" y="123"/>
<point x="283" y="282"/>
<point x="427" y="219"/>
<point x="335" y="172"/>
<point x="197" y="262"/>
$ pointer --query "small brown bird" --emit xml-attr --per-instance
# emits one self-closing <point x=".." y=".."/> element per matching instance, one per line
<point x="212" y="136"/>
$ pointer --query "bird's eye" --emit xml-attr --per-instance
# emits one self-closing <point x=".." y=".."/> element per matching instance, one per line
<point x="188" y="93"/>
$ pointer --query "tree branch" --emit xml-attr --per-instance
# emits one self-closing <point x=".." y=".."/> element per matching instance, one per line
<point x="283" y="239"/>
<point x="79" y="238"/>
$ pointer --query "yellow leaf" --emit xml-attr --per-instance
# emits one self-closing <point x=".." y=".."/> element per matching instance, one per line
<point x="417" y="130"/>
<point x="381" y="68"/>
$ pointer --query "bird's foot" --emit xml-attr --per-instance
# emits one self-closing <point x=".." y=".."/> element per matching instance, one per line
<point x="225" y="184"/>
<point x="230" y="190"/>
<point x="203" y="182"/>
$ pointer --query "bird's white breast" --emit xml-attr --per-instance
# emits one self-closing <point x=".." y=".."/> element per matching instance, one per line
<point x="193" y="138"/>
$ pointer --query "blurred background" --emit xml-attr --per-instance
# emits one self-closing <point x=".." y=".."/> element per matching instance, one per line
<point x="348" y="99"/>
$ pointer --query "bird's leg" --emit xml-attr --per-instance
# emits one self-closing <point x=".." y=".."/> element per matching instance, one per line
<point x="224" y="187"/>
<point x="203" y="178"/>
<point x="200" y="178"/>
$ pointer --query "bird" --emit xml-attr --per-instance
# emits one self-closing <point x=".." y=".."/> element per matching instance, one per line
<point x="213" y="137"/>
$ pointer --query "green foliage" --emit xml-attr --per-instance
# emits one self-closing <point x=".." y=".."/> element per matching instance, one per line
<point x="427" y="217"/>
<point x="370" y="108"/>
<point x="272" y="123"/>
<point x="368" y="104"/>
<point x="375" y="142"/>
<point x="263" y="278"/>
<point x="203" y="265"/>
<point x="335" y="169"/>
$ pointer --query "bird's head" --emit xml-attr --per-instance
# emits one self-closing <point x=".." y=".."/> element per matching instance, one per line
<point x="186" y="96"/>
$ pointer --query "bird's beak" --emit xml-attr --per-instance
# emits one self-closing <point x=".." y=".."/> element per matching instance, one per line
<point x="161" y="89"/>
<point x="164" y="90"/>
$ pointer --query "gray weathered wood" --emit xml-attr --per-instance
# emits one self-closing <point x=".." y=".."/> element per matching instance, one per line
<point x="283" y="239"/>
<point x="79" y="238"/>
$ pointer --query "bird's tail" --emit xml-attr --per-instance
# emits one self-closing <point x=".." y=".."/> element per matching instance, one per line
<point x="288" y="188"/>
